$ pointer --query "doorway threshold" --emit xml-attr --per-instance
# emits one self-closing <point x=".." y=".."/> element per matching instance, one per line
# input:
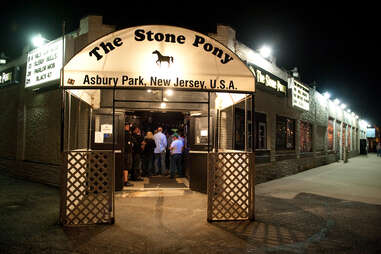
<point x="159" y="183"/>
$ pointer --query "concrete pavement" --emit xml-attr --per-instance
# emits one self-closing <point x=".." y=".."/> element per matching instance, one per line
<point x="331" y="209"/>
<point x="357" y="180"/>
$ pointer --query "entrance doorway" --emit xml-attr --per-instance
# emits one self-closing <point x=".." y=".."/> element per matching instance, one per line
<point x="208" y="87"/>
<point x="171" y="122"/>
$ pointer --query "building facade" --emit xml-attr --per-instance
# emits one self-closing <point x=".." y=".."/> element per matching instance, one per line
<point x="296" y="127"/>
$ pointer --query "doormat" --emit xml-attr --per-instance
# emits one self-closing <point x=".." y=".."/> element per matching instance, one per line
<point x="163" y="182"/>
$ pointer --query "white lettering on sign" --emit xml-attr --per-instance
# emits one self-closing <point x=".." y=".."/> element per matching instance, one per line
<point x="44" y="64"/>
<point x="266" y="80"/>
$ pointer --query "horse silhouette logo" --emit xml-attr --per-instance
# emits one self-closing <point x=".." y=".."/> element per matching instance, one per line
<point x="161" y="58"/>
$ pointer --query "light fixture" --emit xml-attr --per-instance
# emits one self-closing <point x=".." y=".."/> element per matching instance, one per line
<point x="38" y="40"/>
<point x="348" y="110"/>
<point x="163" y="105"/>
<point x="265" y="51"/>
<point x="343" y="106"/>
<point x="336" y="101"/>
<point x="149" y="90"/>
<point x="169" y="92"/>
<point x="327" y="95"/>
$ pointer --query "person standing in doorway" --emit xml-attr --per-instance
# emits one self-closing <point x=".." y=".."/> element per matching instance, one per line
<point x="378" y="149"/>
<point x="127" y="154"/>
<point x="136" y="154"/>
<point x="160" y="150"/>
<point x="148" y="153"/>
<point x="176" y="149"/>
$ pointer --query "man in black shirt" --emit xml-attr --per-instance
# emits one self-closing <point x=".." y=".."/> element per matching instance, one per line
<point x="137" y="149"/>
<point x="127" y="154"/>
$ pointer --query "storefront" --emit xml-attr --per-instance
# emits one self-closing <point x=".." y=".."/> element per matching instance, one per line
<point x="121" y="78"/>
<point x="153" y="76"/>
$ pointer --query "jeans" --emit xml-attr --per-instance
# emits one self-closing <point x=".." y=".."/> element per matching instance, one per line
<point x="160" y="157"/>
<point x="147" y="164"/>
<point x="136" y="166"/>
<point x="379" y="152"/>
<point x="175" y="164"/>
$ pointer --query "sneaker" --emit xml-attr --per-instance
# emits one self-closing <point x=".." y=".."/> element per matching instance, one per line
<point x="128" y="184"/>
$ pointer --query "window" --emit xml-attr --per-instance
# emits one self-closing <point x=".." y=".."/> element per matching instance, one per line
<point x="285" y="133"/>
<point x="260" y="119"/>
<point x="330" y="134"/>
<point x="305" y="137"/>
<point x="239" y="124"/>
<point x="201" y="130"/>
<point x="261" y="144"/>
<point x="103" y="129"/>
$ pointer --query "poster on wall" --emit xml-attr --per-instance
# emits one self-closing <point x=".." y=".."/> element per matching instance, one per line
<point x="44" y="64"/>
<point x="158" y="56"/>
<point x="10" y="76"/>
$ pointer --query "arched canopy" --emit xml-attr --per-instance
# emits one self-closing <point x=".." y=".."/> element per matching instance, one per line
<point x="157" y="56"/>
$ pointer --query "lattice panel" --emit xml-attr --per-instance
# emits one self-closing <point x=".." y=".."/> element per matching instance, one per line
<point x="230" y="183"/>
<point x="88" y="188"/>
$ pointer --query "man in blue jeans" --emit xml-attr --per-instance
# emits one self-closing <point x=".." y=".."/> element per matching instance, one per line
<point x="160" y="150"/>
<point x="176" y="149"/>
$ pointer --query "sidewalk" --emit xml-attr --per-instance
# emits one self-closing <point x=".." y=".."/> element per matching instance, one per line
<point x="293" y="215"/>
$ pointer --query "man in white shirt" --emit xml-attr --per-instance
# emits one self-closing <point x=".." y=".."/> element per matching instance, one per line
<point x="161" y="144"/>
<point x="176" y="149"/>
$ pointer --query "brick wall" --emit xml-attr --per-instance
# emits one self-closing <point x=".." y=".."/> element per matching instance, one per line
<point x="8" y="121"/>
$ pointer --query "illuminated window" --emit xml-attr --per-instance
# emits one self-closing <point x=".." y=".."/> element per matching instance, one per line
<point x="201" y="130"/>
<point x="330" y="134"/>
<point x="285" y="133"/>
<point x="305" y="137"/>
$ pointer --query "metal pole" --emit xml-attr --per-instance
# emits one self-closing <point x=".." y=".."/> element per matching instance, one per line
<point x="69" y="121"/>
<point x="253" y="127"/>
<point x="113" y="120"/>
<point x="62" y="90"/>
<point x="246" y="131"/>
<point x="208" y="122"/>
<point x="252" y="162"/>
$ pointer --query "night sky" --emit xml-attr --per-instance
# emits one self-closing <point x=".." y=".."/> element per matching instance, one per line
<point x="335" y="47"/>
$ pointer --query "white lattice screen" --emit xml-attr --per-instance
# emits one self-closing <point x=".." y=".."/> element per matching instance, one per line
<point x="230" y="186"/>
<point x="87" y="188"/>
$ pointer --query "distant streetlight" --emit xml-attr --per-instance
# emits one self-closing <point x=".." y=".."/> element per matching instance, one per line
<point x="343" y="106"/>
<point x="265" y="51"/>
<point x="327" y="95"/>
<point x="336" y="101"/>
<point x="38" y="40"/>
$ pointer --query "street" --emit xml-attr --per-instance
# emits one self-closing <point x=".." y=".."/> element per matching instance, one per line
<point x="330" y="209"/>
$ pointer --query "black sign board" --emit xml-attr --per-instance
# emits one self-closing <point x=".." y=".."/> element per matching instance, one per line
<point x="267" y="79"/>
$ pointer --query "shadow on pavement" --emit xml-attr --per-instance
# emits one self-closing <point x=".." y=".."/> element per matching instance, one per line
<point x="176" y="223"/>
